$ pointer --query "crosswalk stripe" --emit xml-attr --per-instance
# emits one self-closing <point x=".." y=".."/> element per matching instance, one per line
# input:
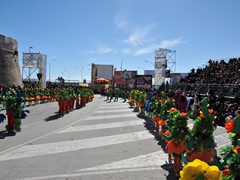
<point x="147" y="160"/>
<point x="113" y="107"/>
<point x="77" y="175"/>
<point x="116" y="110"/>
<point x="115" y="104"/>
<point x="67" y="146"/>
<point x="101" y="126"/>
<point x="111" y="116"/>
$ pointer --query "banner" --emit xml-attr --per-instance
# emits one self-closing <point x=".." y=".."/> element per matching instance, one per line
<point x="30" y="60"/>
<point x="149" y="72"/>
<point x="143" y="81"/>
<point x="42" y="69"/>
<point x="160" y="66"/>
<point x="124" y="77"/>
<point x="175" y="77"/>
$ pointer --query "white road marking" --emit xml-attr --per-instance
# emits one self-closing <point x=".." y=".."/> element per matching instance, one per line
<point x="67" y="146"/>
<point x="154" y="159"/>
<point x="115" y="104"/>
<point x="110" y="111"/>
<point x="113" y="107"/>
<point x="78" y="175"/>
<point x="102" y="126"/>
<point x="111" y="116"/>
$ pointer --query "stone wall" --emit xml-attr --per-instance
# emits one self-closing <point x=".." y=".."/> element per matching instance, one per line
<point x="10" y="74"/>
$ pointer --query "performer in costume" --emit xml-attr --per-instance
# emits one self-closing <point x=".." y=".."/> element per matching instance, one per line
<point x="229" y="162"/>
<point x="110" y="94"/>
<point x="200" y="139"/>
<point x="124" y="95"/>
<point x="2" y="118"/>
<point x="176" y="139"/>
<point x="116" y="94"/>
<point x="62" y="102"/>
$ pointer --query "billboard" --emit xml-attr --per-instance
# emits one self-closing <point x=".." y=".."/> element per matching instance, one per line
<point x="30" y="60"/>
<point x="42" y="69"/>
<point x="124" y="77"/>
<point x="160" y="66"/>
<point x="143" y="81"/>
<point x="175" y="77"/>
<point x="149" y="72"/>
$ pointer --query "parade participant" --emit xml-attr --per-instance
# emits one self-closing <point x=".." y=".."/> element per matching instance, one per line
<point x="2" y="118"/>
<point x="124" y="95"/>
<point x="15" y="110"/>
<point x="200" y="140"/>
<point x="78" y="94"/>
<point x="62" y="102"/>
<point x="116" y="94"/>
<point x="107" y="94"/>
<point x="229" y="162"/>
<point x="110" y="94"/>
<point x="175" y="144"/>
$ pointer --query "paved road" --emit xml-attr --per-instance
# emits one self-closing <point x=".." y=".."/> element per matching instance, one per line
<point x="104" y="140"/>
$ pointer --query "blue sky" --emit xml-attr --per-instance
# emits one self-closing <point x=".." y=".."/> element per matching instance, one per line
<point x="77" y="33"/>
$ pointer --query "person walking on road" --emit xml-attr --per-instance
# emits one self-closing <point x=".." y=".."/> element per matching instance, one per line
<point x="116" y="95"/>
<point x="110" y="94"/>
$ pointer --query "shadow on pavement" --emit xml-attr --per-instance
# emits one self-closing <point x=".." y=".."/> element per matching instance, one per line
<point x="169" y="168"/>
<point x="53" y="117"/>
<point x="5" y="133"/>
<point x="150" y="126"/>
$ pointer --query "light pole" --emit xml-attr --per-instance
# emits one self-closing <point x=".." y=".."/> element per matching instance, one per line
<point x="121" y="64"/>
<point x="153" y="69"/>
<point x="30" y="49"/>
<point x="50" y="69"/>
<point x="140" y="68"/>
<point x="81" y="73"/>
<point x="29" y="73"/>
<point x="68" y="74"/>
<point x="150" y="63"/>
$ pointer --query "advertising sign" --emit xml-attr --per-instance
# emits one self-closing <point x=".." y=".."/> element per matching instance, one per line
<point x="42" y="69"/>
<point x="30" y="60"/>
<point x="143" y="81"/>
<point x="175" y="77"/>
<point x="124" y="77"/>
<point x="149" y="72"/>
<point x="160" y="66"/>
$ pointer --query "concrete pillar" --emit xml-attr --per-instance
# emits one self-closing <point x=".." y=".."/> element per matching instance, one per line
<point x="10" y="74"/>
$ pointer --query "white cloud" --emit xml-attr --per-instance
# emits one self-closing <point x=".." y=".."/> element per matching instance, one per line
<point x="120" y="21"/>
<point x="126" y="51"/>
<point x="163" y="44"/>
<point x="139" y="36"/>
<point x="101" y="50"/>
<point x="104" y="50"/>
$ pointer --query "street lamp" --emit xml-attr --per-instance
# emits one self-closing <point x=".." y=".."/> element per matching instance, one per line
<point x="121" y="64"/>
<point x="50" y="69"/>
<point x="68" y="74"/>
<point x="81" y="72"/>
<point x="150" y="62"/>
<point x="141" y="68"/>
<point x="30" y="49"/>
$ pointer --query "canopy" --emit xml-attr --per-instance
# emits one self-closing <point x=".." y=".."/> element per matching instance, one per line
<point x="102" y="80"/>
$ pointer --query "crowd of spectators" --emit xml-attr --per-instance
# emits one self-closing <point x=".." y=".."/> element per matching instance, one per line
<point x="215" y="72"/>
<point x="222" y="107"/>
